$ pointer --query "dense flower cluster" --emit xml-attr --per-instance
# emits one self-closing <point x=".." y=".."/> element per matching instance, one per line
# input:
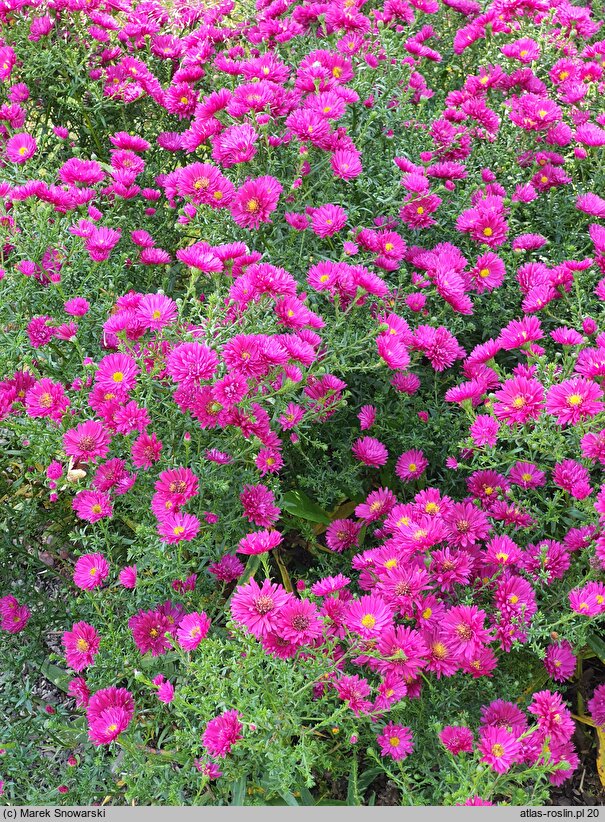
<point x="311" y="292"/>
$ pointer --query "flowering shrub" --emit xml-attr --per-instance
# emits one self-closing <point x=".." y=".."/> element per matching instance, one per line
<point x="301" y="403"/>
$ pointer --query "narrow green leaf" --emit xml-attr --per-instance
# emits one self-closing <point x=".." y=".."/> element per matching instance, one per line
<point x="238" y="791"/>
<point x="301" y="506"/>
<point x="597" y="645"/>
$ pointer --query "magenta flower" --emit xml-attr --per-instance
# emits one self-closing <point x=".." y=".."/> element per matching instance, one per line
<point x="178" y="527"/>
<point x="370" y="451"/>
<point x="411" y="465"/>
<point x="596" y="706"/>
<point x="92" y="505"/>
<point x="560" y="661"/>
<point x="222" y="733"/>
<point x="257" y="608"/>
<point x="20" y="148"/>
<point x="149" y="629"/>
<point x="109" y="712"/>
<point x="395" y="741"/>
<point x="574" y="400"/>
<point x="457" y="739"/>
<point x="499" y="748"/>
<point x="192" y="629"/>
<point x="255" y="201"/>
<point x="90" y="571"/>
<point x="88" y="441"/>
<point x="81" y="645"/>
<point x="128" y="576"/>
<point x="259" y="542"/>
<point x="368" y="616"/>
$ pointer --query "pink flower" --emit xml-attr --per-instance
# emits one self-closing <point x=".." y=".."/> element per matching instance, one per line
<point x="222" y="733"/>
<point x="328" y="220"/>
<point x="81" y="645"/>
<point x="192" y="629"/>
<point x="499" y="748"/>
<point x="484" y="430"/>
<point x="165" y="691"/>
<point x="574" y="400"/>
<point x="457" y="739"/>
<point x="299" y="622"/>
<point x="128" y="576"/>
<point x="520" y="399"/>
<point x="560" y="661"/>
<point x="149" y="629"/>
<point x="92" y="505"/>
<point x="368" y="616"/>
<point x="463" y="629"/>
<point x="255" y="201"/>
<point x="395" y="741"/>
<point x="109" y="712"/>
<point x="257" y="608"/>
<point x="259" y="542"/>
<point x="178" y="527"/>
<point x="596" y="706"/>
<point x="411" y="465"/>
<point x="87" y="441"/>
<point x="553" y="718"/>
<point x="191" y="362"/>
<point x="156" y="311"/>
<point x="20" y="148"/>
<point x="90" y="571"/>
<point x="259" y="508"/>
<point x="370" y="451"/>
<point x="572" y="477"/>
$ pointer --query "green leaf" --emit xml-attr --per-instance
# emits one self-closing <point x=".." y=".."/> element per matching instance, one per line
<point x="288" y="798"/>
<point x="301" y="506"/>
<point x="251" y="568"/>
<point x="56" y="675"/>
<point x="597" y="645"/>
<point x="352" y="795"/>
<point x="238" y="791"/>
<point x="366" y="779"/>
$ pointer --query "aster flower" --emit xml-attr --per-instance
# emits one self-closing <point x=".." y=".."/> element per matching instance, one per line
<point x="227" y="568"/>
<point x="109" y="712"/>
<point x="596" y="706"/>
<point x="149" y="629"/>
<point x="259" y="542"/>
<point x="560" y="661"/>
<point x="299" y="622"/>
<point x="20" y="148"/>
<point x="329" y="585"/>
<point x="457" y="739"/>
<point x="191" y="362"/>
<point x="520" y="399"/>
<point x="368" y="616"/>
<point x="192" y="629"/>
<point x="128" y="576"/>
<point x="92" y="505"/>
<point x="342" y="534"/>
<point x="258" y="503"/>
<point x="499" y="748"/>
<point x="395" y="741"/>
<point x="257" y="608"/>
<point x="81" y="645"/>
<point x="574" y="400"/>
<point x="370" y="451"/>
<point x="353" y="690"/>
<point x="156" y="311"/>
<point x="88" y="441"/>
<point x="222" y="732"/>
<point x="90" y="571"/>
<point x="178" y="527"/>
<point x="410" y="465"/>
<point x="255" y="201"/>
<point x="554" y="719"/>
<point x="463" y="628"/>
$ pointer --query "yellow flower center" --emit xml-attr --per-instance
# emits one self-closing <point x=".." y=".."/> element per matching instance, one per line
<point x="118" y="376"/>
<point x="368" y="621"/>
<point x="487" y="232"/>
<point x="574" y="400"/>
<point x="497" y="750"/>
<point x="394" y="741"/>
